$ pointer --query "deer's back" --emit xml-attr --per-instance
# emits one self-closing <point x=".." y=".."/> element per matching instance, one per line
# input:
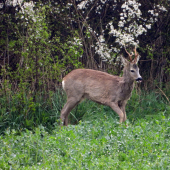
<point x="89" y="77"/>
<point x="95" y="85"/>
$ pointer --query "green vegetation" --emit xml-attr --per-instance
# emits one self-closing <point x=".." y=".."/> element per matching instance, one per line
<point x="96" y="144"/>
<point x="97" y="141"/>
<point x="22" y="111"/>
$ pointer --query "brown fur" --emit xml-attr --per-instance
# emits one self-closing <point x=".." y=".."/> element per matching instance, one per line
<point x="100" y="87"/>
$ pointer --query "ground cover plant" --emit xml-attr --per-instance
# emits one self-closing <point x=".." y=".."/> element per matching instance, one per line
<point x="94" y="139"/>
<point x="95" y="144"/>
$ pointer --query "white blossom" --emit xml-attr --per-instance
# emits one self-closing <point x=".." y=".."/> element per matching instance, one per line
<point x="121" y="24"/>
<point x="162" y="8"/>
<point x="148" y="26"/>
<point x="82" y="4"/>
<point x="101" y="48"/>
<point x="76" y="41"/>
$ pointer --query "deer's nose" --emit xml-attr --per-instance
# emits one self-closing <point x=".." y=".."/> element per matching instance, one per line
<point x="139" y="79"/>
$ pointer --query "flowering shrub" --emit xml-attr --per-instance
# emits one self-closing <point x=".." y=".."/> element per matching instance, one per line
<point x="131" y="24"/>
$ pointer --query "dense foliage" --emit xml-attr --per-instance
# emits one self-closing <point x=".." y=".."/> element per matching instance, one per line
<point x="42" y="40"/>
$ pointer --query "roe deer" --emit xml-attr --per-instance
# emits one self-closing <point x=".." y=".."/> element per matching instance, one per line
<point x="101" y="87"/>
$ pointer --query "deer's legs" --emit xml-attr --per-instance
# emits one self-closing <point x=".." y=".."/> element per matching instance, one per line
<point x="71" y="103"/>
<point x="124" y="112"/>
<point x="122" y="107"/>
<point x="117" y="109"/>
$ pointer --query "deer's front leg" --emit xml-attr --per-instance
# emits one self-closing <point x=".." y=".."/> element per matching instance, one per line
<point x="117" y="109"/>
<point x="122" y="107"/>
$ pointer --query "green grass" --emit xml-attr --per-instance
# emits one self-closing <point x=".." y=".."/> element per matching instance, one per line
<point x="97" y="144"/>
<point x="20" y="111"/>
<point x="93" y="140"/>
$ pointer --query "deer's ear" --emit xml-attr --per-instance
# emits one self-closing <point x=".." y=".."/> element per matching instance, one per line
<point x="124" y="60"/>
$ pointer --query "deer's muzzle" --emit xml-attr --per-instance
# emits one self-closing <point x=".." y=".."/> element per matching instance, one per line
<point x="139" y="79"/>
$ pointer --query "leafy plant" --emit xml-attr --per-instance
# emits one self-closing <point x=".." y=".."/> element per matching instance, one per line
<point x="90" y="145"/>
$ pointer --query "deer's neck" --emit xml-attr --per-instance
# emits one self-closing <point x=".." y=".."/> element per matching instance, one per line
<point x="128" y="83"/>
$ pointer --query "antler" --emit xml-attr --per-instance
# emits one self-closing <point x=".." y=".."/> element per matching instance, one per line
<point x="130" y="56"/>
<point x="136" y="55"/>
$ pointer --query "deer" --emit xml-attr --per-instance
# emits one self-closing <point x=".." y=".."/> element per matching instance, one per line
<point x="101" y="87"/>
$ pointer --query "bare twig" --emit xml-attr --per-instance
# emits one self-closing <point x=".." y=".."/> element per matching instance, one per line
<point x="163" y="94"/>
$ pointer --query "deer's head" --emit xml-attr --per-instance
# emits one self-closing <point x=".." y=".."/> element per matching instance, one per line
<point x="131" y="69"/>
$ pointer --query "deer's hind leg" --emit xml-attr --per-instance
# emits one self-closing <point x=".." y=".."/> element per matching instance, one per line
<point x="72" y="101"/>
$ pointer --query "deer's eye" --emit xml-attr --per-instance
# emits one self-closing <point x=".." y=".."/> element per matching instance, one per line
<point x="132" y="71"/>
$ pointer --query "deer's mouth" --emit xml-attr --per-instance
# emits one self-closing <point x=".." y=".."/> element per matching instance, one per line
<point x="139" y="80"/>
